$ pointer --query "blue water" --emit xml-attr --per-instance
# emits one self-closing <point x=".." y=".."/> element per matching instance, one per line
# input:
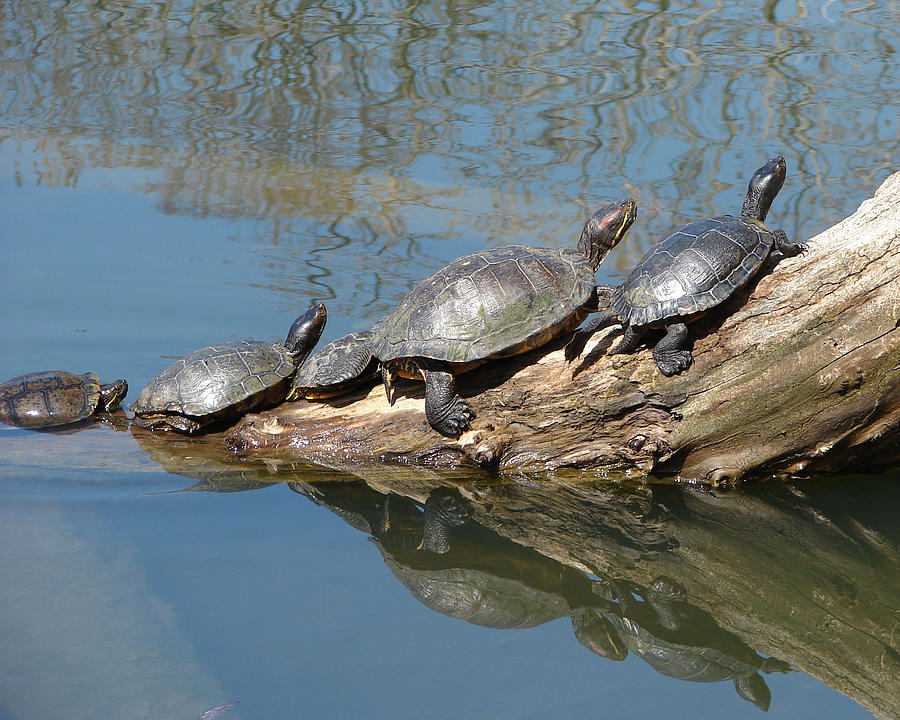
<point x="140" y="602"/>
<point x="174" y="175"/>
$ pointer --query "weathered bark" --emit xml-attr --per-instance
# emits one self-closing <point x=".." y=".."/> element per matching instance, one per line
<point x="797" y="373"/>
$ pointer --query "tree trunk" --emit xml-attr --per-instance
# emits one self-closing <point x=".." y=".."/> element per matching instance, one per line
<point x="797" y="373"/>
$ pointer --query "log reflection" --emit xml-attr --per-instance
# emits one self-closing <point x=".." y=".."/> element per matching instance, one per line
<point x="704" y="586"/>
<point x="692" y="584"/>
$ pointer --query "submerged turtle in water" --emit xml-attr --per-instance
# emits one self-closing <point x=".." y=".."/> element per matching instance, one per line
<point x="491" y="304"/>
<point x="221" y="382"/>
<point x="697" y="267"/>
<point x="56" y="397"/>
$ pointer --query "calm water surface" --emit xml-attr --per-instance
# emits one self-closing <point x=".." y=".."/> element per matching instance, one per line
<point x="174" y="174"/>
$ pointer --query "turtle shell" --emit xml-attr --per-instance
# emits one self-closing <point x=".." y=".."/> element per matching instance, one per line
<point x="495" y="302"/>
<point x="695" y="268"/>
<point x="479" y="597"/>
<point x="48" y="398"/>
<point x="685" y="662"/>
<point x="336" y="367"/>
<point x="215" y="383"/>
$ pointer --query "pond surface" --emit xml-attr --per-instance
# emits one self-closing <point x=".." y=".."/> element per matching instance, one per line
<point x="174" y="174"/>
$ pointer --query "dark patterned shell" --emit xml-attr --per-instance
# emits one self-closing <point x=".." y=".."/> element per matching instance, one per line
<point x="697" y="664"/>
<point x="493" y="302"/>
<point x="336" y="365"/>
<point x="45" y="399"/>
<point x="218" y="380"/>
<point x="695" y="268"/>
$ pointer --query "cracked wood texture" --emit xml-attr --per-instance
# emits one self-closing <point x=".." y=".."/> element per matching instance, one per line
<point x="797" y="373"/>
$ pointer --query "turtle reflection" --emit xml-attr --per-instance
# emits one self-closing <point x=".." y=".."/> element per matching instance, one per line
<point x="458" y="568"/>
<point x="672" y="636"/>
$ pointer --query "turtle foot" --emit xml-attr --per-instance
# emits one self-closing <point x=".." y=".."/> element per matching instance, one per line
<point x="454" y="419"/>
<point x="575" y="346"/>
<point x="673" y="363"/>
<point x="786" y="247"/>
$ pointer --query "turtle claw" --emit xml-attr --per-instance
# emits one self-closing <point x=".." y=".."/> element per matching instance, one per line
<point x="575" y="347"/>
<point x="457" y="419"/>
<point x="673" y="363"/>
<point x="786" y="247"/>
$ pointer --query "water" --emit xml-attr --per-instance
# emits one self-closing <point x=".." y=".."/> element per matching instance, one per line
<point x="177" y="174"/>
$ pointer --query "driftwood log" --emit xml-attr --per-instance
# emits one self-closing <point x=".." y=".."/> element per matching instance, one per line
<point x="797" y="373"/>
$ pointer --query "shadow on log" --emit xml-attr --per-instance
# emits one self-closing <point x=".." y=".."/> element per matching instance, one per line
<point x="791" y="574"/>
<point x="798" y="373"/>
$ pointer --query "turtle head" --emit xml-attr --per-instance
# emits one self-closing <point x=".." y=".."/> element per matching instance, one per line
<point x="763" y="187"/>
<point x="305" y="332"/>
<point x="112" y="395"/>
<point x="605" y="228"/>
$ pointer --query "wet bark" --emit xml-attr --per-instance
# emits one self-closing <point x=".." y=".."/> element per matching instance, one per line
<point x="797" y="373"/>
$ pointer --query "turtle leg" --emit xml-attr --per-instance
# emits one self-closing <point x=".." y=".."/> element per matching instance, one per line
<point x="671" y="353"/>
<point x="600" y="299"/>
<point x="575" y="346"/>
<point x="444" y="510"/>
<point x="446" y="411"/>
<point x="785" y="246"/>
<point x="388" y="373"/>
<point x="629" y="342"/>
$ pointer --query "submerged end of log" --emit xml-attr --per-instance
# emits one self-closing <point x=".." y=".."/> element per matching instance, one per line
<point x="798" y="373"/>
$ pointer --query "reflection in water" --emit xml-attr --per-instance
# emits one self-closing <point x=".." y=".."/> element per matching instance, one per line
<point x="677" y="639"/>
<point x="460" y="569"/>
<point x="213" y="470"/>
<point x="385" y="127"/>
<point x="702" y="586"/>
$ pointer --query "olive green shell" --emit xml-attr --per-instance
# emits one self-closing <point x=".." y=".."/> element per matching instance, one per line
<point x="45" y="399"/>
<point x="215" y="383"/>
<point x="494" y="302"/>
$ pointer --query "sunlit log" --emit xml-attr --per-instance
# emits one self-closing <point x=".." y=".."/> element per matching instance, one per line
<point x="797" y="373"/>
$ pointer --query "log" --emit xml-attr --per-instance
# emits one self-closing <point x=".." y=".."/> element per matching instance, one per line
<point x="795" y="374"/>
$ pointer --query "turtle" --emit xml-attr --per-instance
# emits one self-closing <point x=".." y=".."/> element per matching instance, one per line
<point x="695" y="268"/>
<point x="223" y="381"/>
<point x="336" y="368"/>
<point x="682" y="641"/>
<point x="493" y="303"/>
<point x="56" y="397"/>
